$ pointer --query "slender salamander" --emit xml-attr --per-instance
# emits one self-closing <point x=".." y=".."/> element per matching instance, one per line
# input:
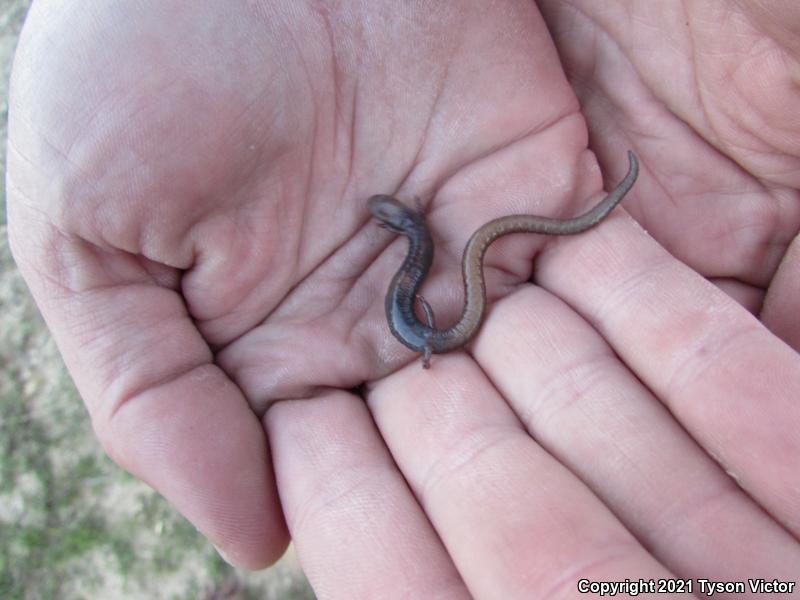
<point x="424" y="337"/>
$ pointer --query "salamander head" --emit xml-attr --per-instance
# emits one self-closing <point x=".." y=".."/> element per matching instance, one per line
<point x="393" y="214"/>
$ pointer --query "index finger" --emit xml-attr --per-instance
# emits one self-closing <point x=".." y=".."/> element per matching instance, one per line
<point x="731" y="383"/>
<point x="159" y="405"/>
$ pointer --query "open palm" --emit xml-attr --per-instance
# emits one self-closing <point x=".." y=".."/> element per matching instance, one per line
<point x="187" y="200"/>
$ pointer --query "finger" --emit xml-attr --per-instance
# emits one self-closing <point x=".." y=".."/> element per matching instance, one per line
<point x="516" y="522"/>
<point x="159" y="406"/>
<point x="779" y="312"/>
<point x="730" y="382"/>
<point x="586" y="409"/>
<point x="358" y="529"/>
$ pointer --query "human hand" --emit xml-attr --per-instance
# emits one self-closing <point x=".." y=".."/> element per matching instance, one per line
<point x="201" y="168"/>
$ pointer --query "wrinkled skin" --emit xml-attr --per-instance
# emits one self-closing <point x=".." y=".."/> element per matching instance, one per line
<point x="187" y="200"/>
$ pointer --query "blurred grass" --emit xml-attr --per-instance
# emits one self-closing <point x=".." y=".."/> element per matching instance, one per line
<point x="72" y="524"/>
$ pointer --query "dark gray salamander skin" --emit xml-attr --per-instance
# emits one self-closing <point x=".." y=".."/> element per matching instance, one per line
<point x="397" y="217"/>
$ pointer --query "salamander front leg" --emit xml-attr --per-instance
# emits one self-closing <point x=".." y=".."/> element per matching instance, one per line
<point x="430" y="321"/>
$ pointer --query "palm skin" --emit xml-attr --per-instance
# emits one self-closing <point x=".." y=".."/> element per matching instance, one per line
<point x="187" y="200"/>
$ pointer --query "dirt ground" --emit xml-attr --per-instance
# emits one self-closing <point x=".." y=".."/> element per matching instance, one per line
<point x="72" y="524"/>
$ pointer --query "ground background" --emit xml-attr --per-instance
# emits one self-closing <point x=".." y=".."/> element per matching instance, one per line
<point x="72" y="524"/>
